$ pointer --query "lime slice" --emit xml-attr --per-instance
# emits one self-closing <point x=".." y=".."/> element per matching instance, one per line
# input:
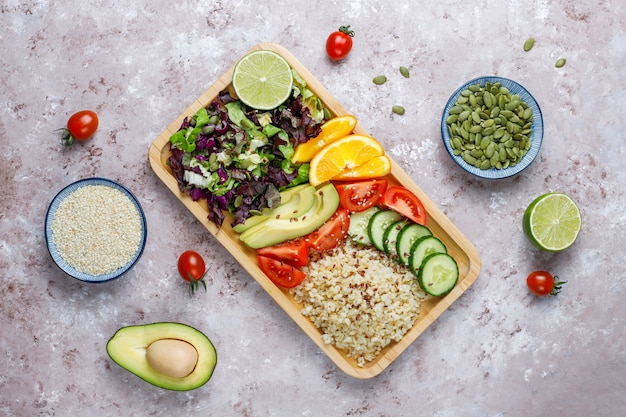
<point x="262" y="80"/>
<point x="552" y="222"/>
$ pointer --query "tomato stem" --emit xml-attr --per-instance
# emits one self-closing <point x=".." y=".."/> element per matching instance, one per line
<point x="193" y="283"/>
<point x="66" y="137"/>
<point x="346" y="30"/>
<point x="557" y="286"/>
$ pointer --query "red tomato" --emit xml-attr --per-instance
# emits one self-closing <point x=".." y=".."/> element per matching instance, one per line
<point x="83" y="124"/>
<point x="191" y="265"/>
<point x="294" y="252"/>
<point x="360" y="195"/>
<point x="328" y="235"/>
<point x="280" y="273"/>
<point x="542" y="283"/>
<point x="339" y="43"/>
<point x="405" y="203"/>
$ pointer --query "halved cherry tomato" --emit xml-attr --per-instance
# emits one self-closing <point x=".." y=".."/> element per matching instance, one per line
<point x="405" y="203"/>
<point x="328" y="235"/>
<point x="280" y="273"/>
<point x="360" y="195"/>
<point x="295" y="252"/>
<point x="339" y="43"/>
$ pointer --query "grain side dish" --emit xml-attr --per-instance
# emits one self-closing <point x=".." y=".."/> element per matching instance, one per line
<point x="97" y="229"/>
<point x="360" y="299"/>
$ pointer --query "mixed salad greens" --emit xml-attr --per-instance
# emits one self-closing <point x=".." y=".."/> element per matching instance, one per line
<point x="239" y="158"/>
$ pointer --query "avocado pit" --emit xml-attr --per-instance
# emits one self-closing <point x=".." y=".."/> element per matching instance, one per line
<point x="172" y="357"/>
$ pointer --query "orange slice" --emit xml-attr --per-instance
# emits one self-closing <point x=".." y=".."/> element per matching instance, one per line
<point x="335" y="128"/>
<point x="342" y="156"/>
<point x="379" y="166"/>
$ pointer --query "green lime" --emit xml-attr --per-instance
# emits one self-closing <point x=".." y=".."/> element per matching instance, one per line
<point x="262" y="80"/>
<point x="552" y="222"/>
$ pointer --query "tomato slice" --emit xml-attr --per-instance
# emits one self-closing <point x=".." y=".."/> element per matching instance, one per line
<point x="294" y="252"/>
<point x="405" y="203"/>
<point x="360" y="195"/>
<point x="328" y="235"/>
<point x="280" y="273"/>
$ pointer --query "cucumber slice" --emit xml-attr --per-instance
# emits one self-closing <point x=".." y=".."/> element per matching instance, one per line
<point x="421" y="249"/>
<point x="438" y="274"/>
<point x="358" y="225"/>
<point x="391" y="236"/>
<point x="378" y="224"/>
<point x="407" y="236"/>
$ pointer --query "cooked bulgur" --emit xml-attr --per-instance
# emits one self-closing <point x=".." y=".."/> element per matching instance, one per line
<point x="360" y="299"/>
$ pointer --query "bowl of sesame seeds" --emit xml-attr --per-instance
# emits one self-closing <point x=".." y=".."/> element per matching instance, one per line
<point x="95" y="230"/>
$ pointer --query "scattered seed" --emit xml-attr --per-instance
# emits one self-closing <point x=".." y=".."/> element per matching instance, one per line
<point x="398" y="110"/>
<point x="559" y="62"/>
<point x="528" y="45"/>
<point x="405" y="72"/>
<point x="379" y="80"/>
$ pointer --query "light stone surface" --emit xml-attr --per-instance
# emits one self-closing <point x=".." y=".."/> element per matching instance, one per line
<point x="498" y="351"/>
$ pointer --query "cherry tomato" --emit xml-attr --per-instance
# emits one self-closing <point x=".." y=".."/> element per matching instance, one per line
<point x="80" y="126"/>
<point x="405" y="203"/>
<point x="542" y="283"/>
<point x="339" y="43"/>
<point x="328" y="235"/>
<point x="294" y="252"/>
<point x="192" y="269"/>
<point x="280" y="273"/>
<point x="360" y="195"/>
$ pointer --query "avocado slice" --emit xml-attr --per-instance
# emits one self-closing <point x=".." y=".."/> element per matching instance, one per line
<point x="293" y="202"/>
<point x="169" y="355"/>
<point x="277" y="230"/>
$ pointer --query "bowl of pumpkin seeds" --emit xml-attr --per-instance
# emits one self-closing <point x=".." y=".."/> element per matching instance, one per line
<point x="492" y="127"/>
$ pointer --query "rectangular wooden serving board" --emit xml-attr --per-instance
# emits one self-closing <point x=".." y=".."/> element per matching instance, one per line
<point x="458" y="245"/>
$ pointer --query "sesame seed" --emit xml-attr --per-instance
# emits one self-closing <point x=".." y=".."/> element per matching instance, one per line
<point x="96" y="229"/>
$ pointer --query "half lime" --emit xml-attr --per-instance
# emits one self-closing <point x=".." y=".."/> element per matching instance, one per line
<point x="262" y="80"/>
<point x="552" y="222"/>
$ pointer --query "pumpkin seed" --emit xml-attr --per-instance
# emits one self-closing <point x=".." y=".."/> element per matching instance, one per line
<point x="398" y="110"/>
<point x="489" y="126"/>
<point x="380" y="80"/>
<point x="452" y="118"/>
<point x="528" y="45"/>
<point x="405" y="72"/>
<point x="456" y="109"/>
<point x="469" y="159"/>
<point x="560" y="62"/>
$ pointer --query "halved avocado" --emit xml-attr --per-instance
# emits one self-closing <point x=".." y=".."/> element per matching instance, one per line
<point x="293" y="202"/>
<point x="159" y="352"/>
<point x="277" y="230"/>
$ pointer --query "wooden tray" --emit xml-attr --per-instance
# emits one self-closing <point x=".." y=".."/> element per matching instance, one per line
<point x="458" y="245"/>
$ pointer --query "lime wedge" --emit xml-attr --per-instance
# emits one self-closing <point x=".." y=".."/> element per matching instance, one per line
<point x="552" y="222"/>
<point x="262" y="80"/>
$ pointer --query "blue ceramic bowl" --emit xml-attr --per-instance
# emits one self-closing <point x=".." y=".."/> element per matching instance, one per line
<point x="536" y="136"/>
<point x="56" y="256"/>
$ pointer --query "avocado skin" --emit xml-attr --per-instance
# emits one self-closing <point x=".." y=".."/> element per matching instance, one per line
<point x="276" y="230"/>
<point x="127" y="347"/>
